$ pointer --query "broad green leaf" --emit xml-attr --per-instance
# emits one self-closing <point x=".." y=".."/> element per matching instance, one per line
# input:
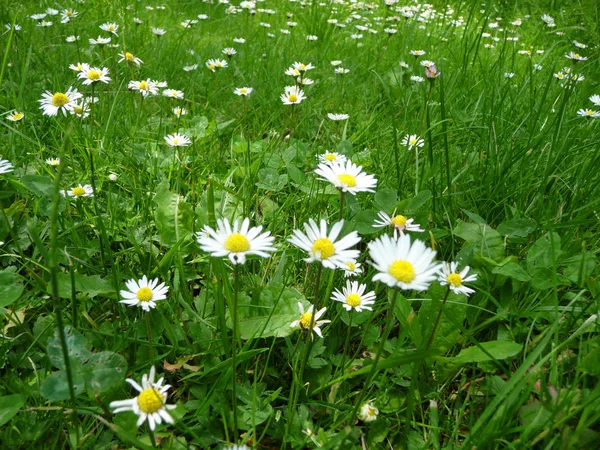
<point x="10" y="406"/>
<point x="11" y="286"/>
<point x="545" y="252"/>
<point x="40" y="185"/>
<point x="197" y="129"/>
<point x="270" y="180"/>
<point x="104" y="370"/>
<point x="364" y="221"/>
<point x="589" y="363"/>
<point x="498" y="350"/>
<point x="174" y="217"/>
<point x="55" y="386"/>
<point x="415" y="203"/>
<point x="76" y="347"/>
<point x="91" y="285"/>
<point x="543" y="279"/>
<point x="386" y="199"/>
<point x="512" y="270"/>
<point x="344" y="147"/>
<point x="517" y="227"/>
<point x="485" y="241"/>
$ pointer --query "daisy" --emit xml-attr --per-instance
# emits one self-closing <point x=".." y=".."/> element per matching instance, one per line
<point x="72" y="38"/>
<point x="334" y="117"/>
<point x="5" y="166"/>
<point x="305" y="81"/>
<point x="236" y="242"/>
<point x="15" y="116"/>
<point x="144" y="87"/>
<point x="322" y="245"/>
<point x="144" y="293"/>
<point x="417" y="79"/>
<point x="53" y="161"/>
<point x="368" y="413"/>
<point x="595" y="99"/>
<point x="353" y="297"/>
<point x="347" y="177"/>
<point x="45" y="23"/>
<point x="52" y="103"/>
<point x="100" y="41"/>
<point x="575" y="56"/>
<point x="351" y="269"/>
<point x="402" y="264"/>
<point x="341" y="71"/>
<point x="412" y="140"/>
<point x="129" y="58"/>
<point x="150" y="404"/>
<point x="178" y="111"/>
<point x="159" y="31"/>
<point x="293" y="95"/>
<point x="79" y="66"/>
<point x="302" y="67"/>
<point x="190" y="68"/>
<point x="67" y="15"/>
<point x="417" y="53"/>
<point x="177" y="140"/>
<point x="239" y="40"/>
<point x="173" y="93"/>
<point x="332" y="157"/>
<point x="82" y="109"/>
<point x="214" y="64"/>
<point x="110" y="27"/>
<point x="399" y="223"/>
<point x="448" y="275"/>
<point x="80" y="191"/>
<point x="310" y="321"/>
<point x="244" y="91"/>
<point x="229" y="51"/>
<point x="588" y="113"/>
<point x="292" y="72"/>
<point x="91" y="75"/>
<point x="336" y="62"/>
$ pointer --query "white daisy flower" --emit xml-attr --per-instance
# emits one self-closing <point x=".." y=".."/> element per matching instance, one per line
<point x="52" y="103"/>
<point x="322" y="245"/>
<point x="53" y="161"/>
<point x="5" y="166"/>
<point x="448" y="275"/>
<point x="244" y="91"/>
<point x="91" y="75"/>
<point x="214" y="64"/>
<point x="190" y="68"/>
<point x="144" y="293"/>
<point x="159" y="31"/>
<point x="15" y="116"/>
<point x="302" y="67"/>
<point x="352" y="269"/>
<point x="229" y="51"/>
<point x="293" y="95"/>
<point x="334" y="117"/>
<point x="292" y="72"/>
<point x="341" y="71"/>
<point x="144" y="87"/>
<point x="130" y="58"/>
<point x="179" y="111"/>
<point x="412" y="140"/>
<point x="177" y="140"/>
<point x="79" y="66"/>
<point x="588" y="113"/>
<point x="397" y="222"/>
<point x="368" y="413"/>
<point x="173" y="93"/>
<point x="308" y="322"/>
<point x="72" y="38"/>
<point x="353" y="297"/>
<point x="595" y="99"/>
<point x="100" y="41"/>
<point x="400" y="264"/>
<point x="80" y="191"/>
<point x="150" y="404"/>
<point x="110" y="27"/>
<point x="348" y="177"/>
<point x="236" y="242"/>
<point x="332" y="157"/>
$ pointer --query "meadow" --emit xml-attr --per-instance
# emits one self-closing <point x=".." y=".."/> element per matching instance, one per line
<point x="299" y="224"/>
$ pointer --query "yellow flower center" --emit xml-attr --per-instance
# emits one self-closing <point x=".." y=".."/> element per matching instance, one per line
<point x="351" y="266"/>
<point x="454" y="279"/>
<point x="78" y="110"/>
<point x="353" y="300"/>
<point x="399" y="220"/>
<point x="306" y="320"/>
<point x="18" y="116"/>
<point x="323" y="247"/>
<point x="93" y="75"/>
<point x="402" y="271"/>
<point x="59" y="99"/>
<point x="144" y="294"/>
<point x="78" y="191"/>
<point x="129" y="56"/>
<point x="150" y="400"/>
<point x="175" y="141"/>
<point x="347" y="179"/>
<point x="330" y="157"/>
<point x="243" y="91"/>
<point x="237" y="243"/>
<point x="293" y="98"/>
<point x="143" y="85"/>
<point x="111" y="28"/>
<point x="69" y="13"/>
<point x="211" y="66"/>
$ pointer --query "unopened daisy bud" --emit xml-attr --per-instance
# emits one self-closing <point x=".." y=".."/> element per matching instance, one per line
<point x="368" y="412"/>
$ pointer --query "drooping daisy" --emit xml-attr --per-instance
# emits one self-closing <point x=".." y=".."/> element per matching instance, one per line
<point x="91" y="75"/>
<point x="352" y="269"/>
<point x="397" y="222"/>
<point x="322" y="245"/>
<point x="130" y="58"/>
<point x="402" y="264"/>
<point x="173" y="93"/>
<point x="144" y="293"/>
<point x="52" y="103"/>
<point x="159" y="31"/>
<point x="335" y="117"/>
<point x="144" y="87"/>
<point x="110" y="27"/>
<point x="5" y="166"/>
<point x="353" y="297"/>
<point x="15" y="116"/>
<point x="80" y="191"/>
<point x="244" y="91"/>
<point x="588" y="113"/>
<point x="237" y="242"/>
<point x="368" y="412"/>
<point x="293" y="95"/>
<point x="348" y="177"/>
<point x="412" y="140"/>
<point x="449" y="275"/>
<point x="179" y="111"/>
<point x="150" y="404"/>
<point x="332" y="157"/>
<point x="308" y="322"/>
<point x="177" y="140"/>
<point x="100" y="41"/>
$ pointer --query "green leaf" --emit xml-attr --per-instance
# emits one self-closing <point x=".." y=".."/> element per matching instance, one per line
<point x="270" y="180"/>
<point x="544" y="252"/>
<point x="386" y="199"/>
<point x="512" y="270"/>
<point x="55" y="386"/>
<point x="174" y="217"/>
<point x="344" y="147"/>
<point x="498" y="350"/>
<point x="197" y="129"/>
<point x="104" y="370"/>
<point x="40" y="185"/>
<point x="10" y="286"/>
<point x="76" y="347"/>
<point x="484" y="240"/>
<point x="364" y="222"/>
<point x="91" y="285"/>
<point x="517" y="227"/>
<point x="10" y="406"/>
<point x="589" y="364"/>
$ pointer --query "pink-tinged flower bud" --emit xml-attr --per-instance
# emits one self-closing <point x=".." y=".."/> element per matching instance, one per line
<point x="431" y="72"/>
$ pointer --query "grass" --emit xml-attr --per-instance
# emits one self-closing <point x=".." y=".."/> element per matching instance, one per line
<point x="506" y="182"/>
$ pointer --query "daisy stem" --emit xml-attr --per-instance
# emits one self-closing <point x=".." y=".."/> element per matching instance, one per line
<point x="347" y="341"/>
<point x="341" y="204"/>
<point x="234" y="338"/>
<point x="437" y="320"/>
<point x="152" y="439"/>
<point x="149" y="331"/>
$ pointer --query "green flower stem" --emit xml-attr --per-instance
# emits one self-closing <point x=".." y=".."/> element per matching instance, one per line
<point x="437" y="320"/>
<point x="234" y="339"/>
<point x="342" y="204"/>
<point x="149" y="333"/>
<point x="347" y="342"/>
